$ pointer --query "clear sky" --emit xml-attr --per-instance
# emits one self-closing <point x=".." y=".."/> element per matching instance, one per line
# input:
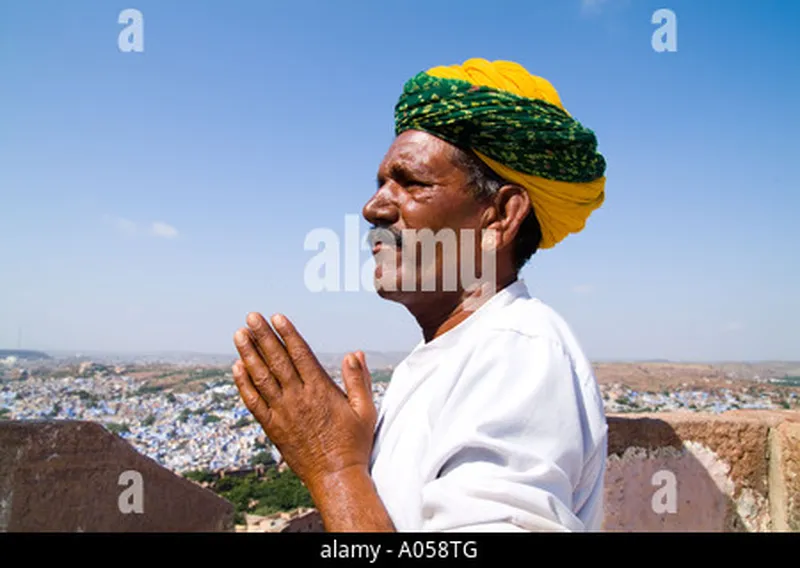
<point x="149" y="200"/>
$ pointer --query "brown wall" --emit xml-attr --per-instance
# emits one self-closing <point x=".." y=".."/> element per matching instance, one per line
<point x="692" y="472"/>
<point x="739" y="471"/>
<point x="77" y="476"/>
<point x="733" y="472"/>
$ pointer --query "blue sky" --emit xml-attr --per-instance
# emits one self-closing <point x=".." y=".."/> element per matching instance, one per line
<point x="148" y="201"/>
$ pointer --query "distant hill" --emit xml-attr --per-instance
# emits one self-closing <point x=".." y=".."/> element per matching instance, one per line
<point x="147" y="357"/>
<point x="24" y="354"/>
<point x="375" y="359"/>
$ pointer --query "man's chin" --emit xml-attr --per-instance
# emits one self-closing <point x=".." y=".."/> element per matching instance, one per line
<point x="388" y="287"/>
<point x="385" y="291"/>
<point x="392" y="284"/>
<point x="387" y="294"/>
<point x="404" y="294"/>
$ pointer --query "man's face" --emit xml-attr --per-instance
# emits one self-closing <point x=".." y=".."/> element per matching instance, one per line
<point x="423" y="200"/>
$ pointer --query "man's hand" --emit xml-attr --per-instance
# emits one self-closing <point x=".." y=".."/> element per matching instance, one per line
<point x="320" y="431"/>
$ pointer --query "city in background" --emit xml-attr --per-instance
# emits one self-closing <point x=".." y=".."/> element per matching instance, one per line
<point x="184" y="412"/>
<point x="131" y="178"/>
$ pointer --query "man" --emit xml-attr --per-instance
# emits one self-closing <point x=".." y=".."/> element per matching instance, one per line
<point x="494" y="422"/>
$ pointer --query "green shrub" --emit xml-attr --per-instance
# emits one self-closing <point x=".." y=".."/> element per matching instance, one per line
<point x="272" y="493"/>
<point x="117" y="428"/>
<point x="262" y="458"/>
<point x="242" y="422"/>
<point x="200" y="476"/>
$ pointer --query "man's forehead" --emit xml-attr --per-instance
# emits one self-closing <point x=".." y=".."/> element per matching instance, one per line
<point x="419" y="151"/>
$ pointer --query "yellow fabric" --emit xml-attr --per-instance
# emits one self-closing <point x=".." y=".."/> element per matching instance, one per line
<point x="562" y="208"/>
<point x="506" y="75"/>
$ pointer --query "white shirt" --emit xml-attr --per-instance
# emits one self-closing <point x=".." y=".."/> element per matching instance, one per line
<point x="496" y="425"/>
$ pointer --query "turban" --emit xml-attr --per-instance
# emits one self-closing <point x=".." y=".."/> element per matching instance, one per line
<point x="515" y="123"/>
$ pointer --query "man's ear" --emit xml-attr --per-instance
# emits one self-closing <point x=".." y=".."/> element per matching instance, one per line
<point x="511" y="206"/>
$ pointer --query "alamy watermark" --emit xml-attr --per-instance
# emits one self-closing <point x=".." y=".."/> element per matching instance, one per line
<point x="131" y="500"/>
<point x="665" y="499"/>
<point x="131" y="38"/>
<point x="409" y="260"/>
<point x="665" y="38"/>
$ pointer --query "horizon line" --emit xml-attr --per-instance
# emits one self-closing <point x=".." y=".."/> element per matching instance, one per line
<point x="80" y="352"/>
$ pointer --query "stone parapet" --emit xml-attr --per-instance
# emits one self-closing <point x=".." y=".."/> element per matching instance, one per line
<point x="692" y="472"/>
<point x="64" y="476"/>
<point x="682" y="471"/>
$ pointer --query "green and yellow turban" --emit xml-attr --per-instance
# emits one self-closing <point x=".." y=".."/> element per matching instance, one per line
<point x="516" y="124"/>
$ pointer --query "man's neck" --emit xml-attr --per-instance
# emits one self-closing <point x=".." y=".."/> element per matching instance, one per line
<point x="438" y="317"/>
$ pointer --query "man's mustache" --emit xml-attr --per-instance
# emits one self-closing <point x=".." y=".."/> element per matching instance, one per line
<point x="385" y="235"/>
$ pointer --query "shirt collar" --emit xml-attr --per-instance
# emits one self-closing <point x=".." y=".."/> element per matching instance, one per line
<point x="515" y="290"/>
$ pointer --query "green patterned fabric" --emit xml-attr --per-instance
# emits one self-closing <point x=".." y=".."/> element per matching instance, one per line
<point x="531" y="136"/>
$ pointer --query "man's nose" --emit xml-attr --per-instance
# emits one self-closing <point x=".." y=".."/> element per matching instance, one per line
<point x="381" y="209"/>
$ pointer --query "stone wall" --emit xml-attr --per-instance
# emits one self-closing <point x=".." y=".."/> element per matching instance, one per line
<point x="692" y="472"/>
<point x="77" y="477"/>
<point x="735" y="472"/>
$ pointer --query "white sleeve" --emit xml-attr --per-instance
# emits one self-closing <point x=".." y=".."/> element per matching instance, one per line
<point x="508" y="449"/>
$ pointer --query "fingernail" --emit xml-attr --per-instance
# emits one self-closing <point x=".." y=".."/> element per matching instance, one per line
<point x="252" y="320"/>
<point x="278" y="320"/>
<point x="241" y="338"/>
<point x="354" y="363"/>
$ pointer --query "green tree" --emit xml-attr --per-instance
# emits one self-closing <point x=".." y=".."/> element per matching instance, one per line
<point x="85" y="396"/>
<point x="287" y="492"/>
<point x="273" y="492"/>
<point x="200" y="476"/>
<point x="118" y="429"/>
<point x="262" y="458"/>
<point x="382" y="376"/>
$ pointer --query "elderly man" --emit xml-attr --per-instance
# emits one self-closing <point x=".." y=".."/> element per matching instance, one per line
<point x="494" y="422"/>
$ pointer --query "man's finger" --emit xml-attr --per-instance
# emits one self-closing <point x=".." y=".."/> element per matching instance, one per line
<point x="278" y="360"/>
<point x="255" y="366"/>
<point x="358" y="394"/>
<point x="301" y="354"/>
<point x="250" y="396"/>
<point x="367" y="375"/>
